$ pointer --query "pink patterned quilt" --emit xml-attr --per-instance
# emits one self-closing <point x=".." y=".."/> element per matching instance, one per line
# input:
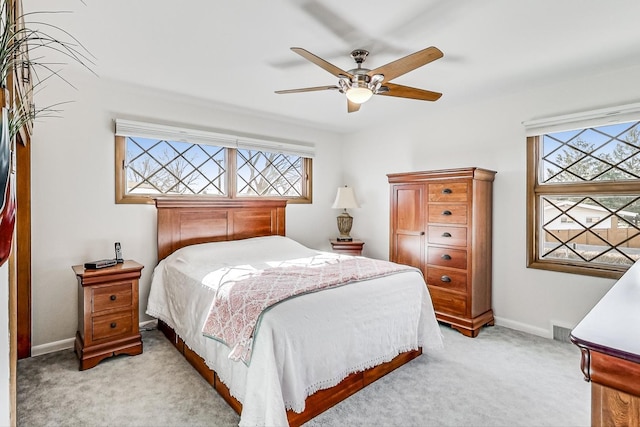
<point x="239" y="304"/>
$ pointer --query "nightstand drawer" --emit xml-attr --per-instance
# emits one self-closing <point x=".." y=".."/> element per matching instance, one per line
<point x="111" y="297"/>
<point x="111" y="325"/>
<point x="447" y="257"/>
<point x="447" y="214"/>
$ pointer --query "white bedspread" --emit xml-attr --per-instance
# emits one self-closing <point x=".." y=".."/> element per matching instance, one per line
<point x="304" y="344"/>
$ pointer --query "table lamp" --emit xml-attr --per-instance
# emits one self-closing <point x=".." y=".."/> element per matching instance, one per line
<point x="345" y="199"/>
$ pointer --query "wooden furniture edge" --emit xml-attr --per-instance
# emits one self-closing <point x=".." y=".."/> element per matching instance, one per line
<point x="607" y="369"/>
<point x="315" y="404"/>
<point x="462" y="173"/>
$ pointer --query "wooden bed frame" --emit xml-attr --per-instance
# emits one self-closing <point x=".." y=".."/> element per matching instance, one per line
<point x="183" y="222"/>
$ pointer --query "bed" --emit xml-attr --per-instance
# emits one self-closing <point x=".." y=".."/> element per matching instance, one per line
<point x="309" y="352"/>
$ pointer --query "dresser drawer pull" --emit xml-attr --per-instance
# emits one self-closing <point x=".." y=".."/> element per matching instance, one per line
<point x="447" y="191"/>
<point x="422" y="233"/>
<point x="447" y="213"/>
<point x="445" y="279"/>
<point x="112" y="297"/>
<point x="446" y="234"/>
<point x="445" y="257"/>
<point x="113" y="325"/>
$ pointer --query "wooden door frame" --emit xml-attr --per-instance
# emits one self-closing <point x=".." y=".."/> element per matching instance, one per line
<point x="23" y="244"/>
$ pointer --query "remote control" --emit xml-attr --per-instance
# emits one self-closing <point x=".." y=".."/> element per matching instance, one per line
<point x="101" y="263"/>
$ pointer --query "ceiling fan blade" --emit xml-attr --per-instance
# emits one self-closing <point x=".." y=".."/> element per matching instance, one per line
<point x="410" y="92"/>
<point x="307" y="89"/>
<point x="408" y="63"/>
<point x="352" y="107"/>
<point x="320" y="62"/>
<point x="332" y="21"/>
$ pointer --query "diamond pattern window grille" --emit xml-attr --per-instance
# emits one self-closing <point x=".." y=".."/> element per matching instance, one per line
<point x="171" y="167"/>
<point x="592" y="229"/>
<point x="605" y="153"/>
<point x="261" y="173"/>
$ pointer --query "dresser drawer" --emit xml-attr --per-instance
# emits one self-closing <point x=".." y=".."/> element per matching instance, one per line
<point x="111" y="297"/>
<point x="111" y="325"/>
<point x="446" y="278"/>
<point x="447" y="213"/>
<point x="447" y="257"/>
<point x="448" y="302"/>
<point x="439" y="235"/>
<point x="448" y="192"/>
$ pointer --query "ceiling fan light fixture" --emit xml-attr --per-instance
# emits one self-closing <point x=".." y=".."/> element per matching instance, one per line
<point x="359" y="95"/>
<point x="360" y="84"/>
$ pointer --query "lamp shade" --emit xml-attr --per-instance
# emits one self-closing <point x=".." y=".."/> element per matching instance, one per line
<point x="345" y="199"/>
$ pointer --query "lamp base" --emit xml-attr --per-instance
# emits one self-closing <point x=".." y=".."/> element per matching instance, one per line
<point x="344" y="226"/>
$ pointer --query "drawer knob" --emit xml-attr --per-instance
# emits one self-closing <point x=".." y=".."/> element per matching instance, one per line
<point x="113" y="325"/>
<point x="112" y="297"/>
<point x="446" y="234"/>
<point x="447" y="213"/>
<point x="447" y="191"/>
<point x="445" y="279"/>
<point x="445" y="257"/>
<point x="422" y="233"/>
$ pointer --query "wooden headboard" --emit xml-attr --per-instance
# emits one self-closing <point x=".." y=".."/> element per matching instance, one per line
<point x="183" y="222"/>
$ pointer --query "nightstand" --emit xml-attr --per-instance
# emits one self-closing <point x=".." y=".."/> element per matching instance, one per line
<point x="353" y="247"/>
<point x="107" y="312"/>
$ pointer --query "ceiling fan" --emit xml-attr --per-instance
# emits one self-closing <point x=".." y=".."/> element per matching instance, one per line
<point x="360" y="84"/>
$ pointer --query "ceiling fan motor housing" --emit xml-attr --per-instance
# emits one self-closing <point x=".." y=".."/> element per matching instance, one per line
<point x="360" y="78"/>
<point x="359" y="55"/>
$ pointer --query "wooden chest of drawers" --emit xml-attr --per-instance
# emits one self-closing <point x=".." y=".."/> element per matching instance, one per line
<point x="441" y="223"/>
<point x="107" y="312"/>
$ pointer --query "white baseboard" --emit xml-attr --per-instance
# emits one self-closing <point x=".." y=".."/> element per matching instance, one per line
<point x="518" y="326"/>
<point x="39" y="350"/>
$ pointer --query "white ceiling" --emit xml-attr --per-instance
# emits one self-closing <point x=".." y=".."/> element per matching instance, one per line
<point x="236" y="52"/>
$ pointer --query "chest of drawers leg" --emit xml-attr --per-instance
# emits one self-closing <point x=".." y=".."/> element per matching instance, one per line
<point x="107" y="313"/>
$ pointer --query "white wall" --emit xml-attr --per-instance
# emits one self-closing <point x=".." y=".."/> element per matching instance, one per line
<point x="75" y="218"/>
<point x="5" y="366"/>
<point x="488" y="134"/>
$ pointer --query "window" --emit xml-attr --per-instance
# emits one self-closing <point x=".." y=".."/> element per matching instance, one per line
<point x="154" y="160"/>
<point x="584" y="199"/>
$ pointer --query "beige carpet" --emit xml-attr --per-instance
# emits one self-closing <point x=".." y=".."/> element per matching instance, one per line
<point x="501" y="378"/>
